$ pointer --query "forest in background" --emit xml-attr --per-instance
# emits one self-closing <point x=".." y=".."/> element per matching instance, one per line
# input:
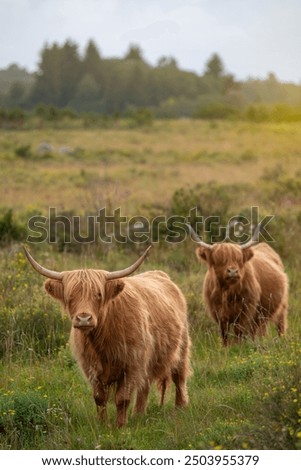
<point x="90" y="83"/>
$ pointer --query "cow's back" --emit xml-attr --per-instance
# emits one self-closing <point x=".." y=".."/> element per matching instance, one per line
<point x="269" y="272"/>
<point x="165" y="307"/>
<point x="263" y="250"/>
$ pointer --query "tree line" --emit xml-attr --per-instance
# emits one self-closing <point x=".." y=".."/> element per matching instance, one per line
<point x="93" y="84"/>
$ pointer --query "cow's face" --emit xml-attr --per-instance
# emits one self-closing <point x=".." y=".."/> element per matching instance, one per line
<point x="227" y="260"/>
<point x="84" y="295"/>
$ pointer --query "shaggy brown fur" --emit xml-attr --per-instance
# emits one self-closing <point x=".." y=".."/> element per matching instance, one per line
<point x="129" y="332"/>
<point x="245" y="288"/>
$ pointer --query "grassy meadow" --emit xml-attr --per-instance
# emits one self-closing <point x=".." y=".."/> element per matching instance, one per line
<point x="247" y="396"/>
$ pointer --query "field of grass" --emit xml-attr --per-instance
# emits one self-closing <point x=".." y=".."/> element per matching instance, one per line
<point x="245" y="397"/>
<point x="137" y="167"/>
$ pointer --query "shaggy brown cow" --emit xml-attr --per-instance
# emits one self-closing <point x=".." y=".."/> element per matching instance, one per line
<point x="244" y="286"/>
<point x="128" y="332"/>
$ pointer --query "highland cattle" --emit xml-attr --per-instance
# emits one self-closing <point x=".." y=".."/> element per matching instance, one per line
<point x="245" y="286"/>
<point x="126" y="333"/>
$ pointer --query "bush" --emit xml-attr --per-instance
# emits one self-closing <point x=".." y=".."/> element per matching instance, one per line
<point x="13" y="118"/>
<point x="3" y="116"/>
<point x="140" y="117"/>
<point x="278" y="411"/>
<point x="275" y="113"/>
<point x="10" y="230"/>
<point x="23" y="416"/>
<point x="23" y="151"/>
<point x="217" y="111"/>
<point x="257" y="113"/>
<point x="211" y="199"/>
<point x="47" y="112"/>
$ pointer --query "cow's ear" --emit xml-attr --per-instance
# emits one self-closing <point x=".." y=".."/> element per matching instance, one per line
<point x="55" y="289"/>
<point x="113" y="288"/>
<point x="204" y="254"/>
<point x="247" y="253"/>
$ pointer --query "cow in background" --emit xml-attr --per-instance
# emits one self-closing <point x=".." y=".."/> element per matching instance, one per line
<point x="245" y="286"/>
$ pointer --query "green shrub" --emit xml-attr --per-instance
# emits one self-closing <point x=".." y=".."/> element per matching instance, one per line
<point x="140" y="117"/>
<point x="44" y="111"/>
<point x="23" y="151"/>
<point x="278" y="408"/>
<point x="217" y="110"/>
<point x="16" y="117"/>
<point x="210" y="201"/>
<point x="10" y="230"/>
<point x="257" y="113"/>
<point x="23" y="416"/>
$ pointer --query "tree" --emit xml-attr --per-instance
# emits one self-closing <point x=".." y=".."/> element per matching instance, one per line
<point x="167" y="62"/>
<point x="70" y="72"/>
<point x="92" y="62"/>
<point x="214" y="67"/>
<point x="94" y="66"/>
<point x="46" y="89"/>
<point x="16" y="95"/>
<point x="272" y="79"/>
<point x="87" y="96"/>
<point x="91" y="56"/>
<point x="215" y="80"/>
<point x="58" y="75"/>
<point x="134" y="53"/>
<point x="136" y="91"/>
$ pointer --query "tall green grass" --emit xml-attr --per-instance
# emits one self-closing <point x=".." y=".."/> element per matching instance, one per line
<point x="246" y="396"/>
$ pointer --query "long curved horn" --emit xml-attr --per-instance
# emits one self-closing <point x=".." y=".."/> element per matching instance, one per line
<point x="130" y="269"/>
<point x="197" y="239"/>
<point x="41" y="270"/>
<point x="254" y="239"/>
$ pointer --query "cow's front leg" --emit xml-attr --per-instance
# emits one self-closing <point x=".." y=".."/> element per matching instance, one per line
<point x="101" y="394"/>
<point x="141" y="400"/>
<point x="248" y="320"/>
<point x="125" y="388"/>
<point x="100" y="391"/>
<point x="224" y="329"/>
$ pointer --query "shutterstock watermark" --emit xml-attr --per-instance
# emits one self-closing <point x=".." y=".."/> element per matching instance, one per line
<point x="114" y="227"/>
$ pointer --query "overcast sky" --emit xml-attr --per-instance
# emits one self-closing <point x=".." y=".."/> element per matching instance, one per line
<point x="253" y="37"/>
